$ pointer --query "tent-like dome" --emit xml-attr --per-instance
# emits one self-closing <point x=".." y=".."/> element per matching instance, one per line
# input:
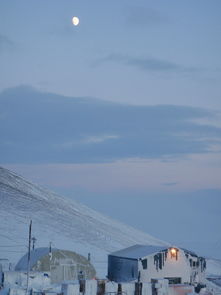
<point x="62" y="264"/>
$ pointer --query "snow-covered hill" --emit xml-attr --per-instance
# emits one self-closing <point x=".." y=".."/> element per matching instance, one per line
<point x="213" y="267"/>
<point x="65" y="223"/>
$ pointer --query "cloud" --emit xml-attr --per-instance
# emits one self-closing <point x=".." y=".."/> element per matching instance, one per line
<point x="99" y="138"/>
<point x="144" y="17"/>
<point x="5" y="43"/>
<point x="149" y="64"/>
<point x="42" y="127"/>
<point x="63" y="31"/>
<point x="169" y="183"/>
<point x="93" y="139"/>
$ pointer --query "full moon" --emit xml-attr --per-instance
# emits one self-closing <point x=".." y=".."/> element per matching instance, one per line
<point x="75" y="21"/>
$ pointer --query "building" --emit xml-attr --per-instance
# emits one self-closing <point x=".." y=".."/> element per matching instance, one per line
<point x="18" y="279"/>
<point x="4" y="264"/>
<point x="148" y="263"/>
<point x="60" y="264"/>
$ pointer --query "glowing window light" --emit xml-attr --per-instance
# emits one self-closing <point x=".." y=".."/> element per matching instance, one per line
<point x="173" y="252"/>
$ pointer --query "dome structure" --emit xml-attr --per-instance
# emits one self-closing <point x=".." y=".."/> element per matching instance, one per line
<point x="60" y="264"/>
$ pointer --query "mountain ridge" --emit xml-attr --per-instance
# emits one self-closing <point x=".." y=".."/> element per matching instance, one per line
<point x="67" y="223"/>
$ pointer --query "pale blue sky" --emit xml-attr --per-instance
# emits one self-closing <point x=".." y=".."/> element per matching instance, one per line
<point x="146" y="52"/>
<point x="143" y="121"/>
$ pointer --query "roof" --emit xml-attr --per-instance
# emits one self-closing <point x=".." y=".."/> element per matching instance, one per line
<point x="190" y="252"/>
<point x="35" y="255"/>
<point x="138" y="251"/>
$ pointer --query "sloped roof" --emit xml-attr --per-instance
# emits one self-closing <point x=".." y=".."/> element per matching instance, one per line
<point x="190" y="252"/>
<point x="35" y="255"/>
<point x="138" y="251"/>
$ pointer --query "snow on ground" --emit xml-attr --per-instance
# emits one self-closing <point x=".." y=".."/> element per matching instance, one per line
<point x="67" y="224"/>
<point x="213" y="267"/>
<point x="214" y="272"/>
<point x="213" y="288"/>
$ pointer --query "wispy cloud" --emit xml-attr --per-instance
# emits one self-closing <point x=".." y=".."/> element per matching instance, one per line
<point x="149" y="64"/>
<point x="92" y="139"/>
<point x="143" y="16"/>
<point x="6" y="43"/>
<point x="99" y="139"/>
<point x="63" y="31"/>
<point x="42" y="125"/>
<point x="170" y="183"/>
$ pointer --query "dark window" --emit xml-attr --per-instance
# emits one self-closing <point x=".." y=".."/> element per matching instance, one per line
<point x="194" y="263"/>
<point x="144" y="263"/>
<point x="174" y="280"/>
<point x="132" y="272"/>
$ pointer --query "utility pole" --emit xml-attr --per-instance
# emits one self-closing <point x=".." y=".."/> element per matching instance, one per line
<point x="50" y="247"/>
<point x="50" y="256"/>
<point x="29" y="256"/>
<point x="33" y="242"/>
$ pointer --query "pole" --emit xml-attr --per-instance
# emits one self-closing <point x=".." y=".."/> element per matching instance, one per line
<point x="33" y="242"/>
<point x="50" y="256"/>
<point x="29" y="256"/>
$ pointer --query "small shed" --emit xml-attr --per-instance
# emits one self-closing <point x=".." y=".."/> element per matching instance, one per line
<point x="61" y="264"/>
<point x="147" y="263"/>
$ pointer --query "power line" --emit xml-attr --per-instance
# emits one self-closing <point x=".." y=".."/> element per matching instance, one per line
<point x="11" y="251"/>
<point x="10" y="246"/>
<point x="12" y="239"/>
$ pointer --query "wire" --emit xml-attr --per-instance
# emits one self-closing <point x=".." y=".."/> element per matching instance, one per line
<point x="11" y="251"/>
<point x="12" y="239"/>
<point x="10" y="246"/>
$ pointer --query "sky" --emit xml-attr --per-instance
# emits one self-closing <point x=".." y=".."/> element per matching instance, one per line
<point x="122" y="112"/>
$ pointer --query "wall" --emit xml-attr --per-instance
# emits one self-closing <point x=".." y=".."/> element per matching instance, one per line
<point x="17" y="291"/>
<point x="111" y="288"/>
<point x="65" y="265"/>
<point x="172" y="267"/>
<point x="19" y="278"/>
<point x="122" y="269"/>
<point x="181" y="290"/>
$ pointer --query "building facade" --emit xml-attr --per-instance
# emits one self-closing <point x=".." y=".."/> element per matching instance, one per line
<point x="148" y="263"/>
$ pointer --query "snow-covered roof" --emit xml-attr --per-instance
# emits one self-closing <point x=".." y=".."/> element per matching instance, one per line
<point x="138" y="251"/>
<point x="190" y="252"/>
<point x="35" y="255"/>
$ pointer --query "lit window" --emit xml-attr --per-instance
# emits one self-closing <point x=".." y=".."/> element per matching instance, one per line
<point x="174" y="253"/>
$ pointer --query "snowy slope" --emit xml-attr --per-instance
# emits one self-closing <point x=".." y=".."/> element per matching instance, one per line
<point x="213" y="267"/>
<point x="67" y="224"/>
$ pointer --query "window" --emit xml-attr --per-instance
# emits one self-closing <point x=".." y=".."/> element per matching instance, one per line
<point x="175" y="280"/>
<point x="132" y="272"/>
<point x="144" y="263"/>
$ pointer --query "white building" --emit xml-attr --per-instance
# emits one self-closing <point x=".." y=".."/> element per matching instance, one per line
<point x="4" y="264"/>
<point x="148" y="263"/>
<point x="19" y="279"/>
